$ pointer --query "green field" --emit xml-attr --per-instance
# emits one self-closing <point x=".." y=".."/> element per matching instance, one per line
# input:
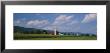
<point x="18" y="36"/>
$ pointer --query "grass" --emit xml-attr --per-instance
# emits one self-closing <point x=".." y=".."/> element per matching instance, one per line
<point x="18" y="36"/>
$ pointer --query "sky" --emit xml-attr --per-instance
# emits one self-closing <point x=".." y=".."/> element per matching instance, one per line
<point x="63" y="22"/>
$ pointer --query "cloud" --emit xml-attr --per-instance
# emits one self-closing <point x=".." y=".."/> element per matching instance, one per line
<point x="20" y="21"/>
<point x="62" y="22"/>
<point x="73" y="22"/>
<point x="88" y="18"/>
<point x="37" y="23"/>
<point x="62" y="19"/>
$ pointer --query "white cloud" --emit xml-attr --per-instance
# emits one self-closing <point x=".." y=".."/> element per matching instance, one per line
<point x="37" y="23"/>
<point x="88" y="18"/>
<point x="60" y="22"/>
<point x="62" y="19"/>
<point x="20" y="21"/>
<point x="73" y="22"/>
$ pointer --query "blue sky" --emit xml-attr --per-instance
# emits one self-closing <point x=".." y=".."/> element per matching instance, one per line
<point x="64" y="22"/>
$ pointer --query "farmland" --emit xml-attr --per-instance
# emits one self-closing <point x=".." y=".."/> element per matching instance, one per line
<point x="21" y="36"/>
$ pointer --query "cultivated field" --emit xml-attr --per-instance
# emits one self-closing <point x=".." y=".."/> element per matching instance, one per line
<point x="18" y="36"/>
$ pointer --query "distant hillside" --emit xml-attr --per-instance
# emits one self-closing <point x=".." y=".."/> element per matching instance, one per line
<point x="19" y="29"/>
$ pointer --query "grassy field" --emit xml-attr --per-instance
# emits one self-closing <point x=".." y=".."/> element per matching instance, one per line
<point x="18" y="36"/>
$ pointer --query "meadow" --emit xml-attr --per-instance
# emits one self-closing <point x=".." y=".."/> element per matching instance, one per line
<point x="19" y="36"/>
